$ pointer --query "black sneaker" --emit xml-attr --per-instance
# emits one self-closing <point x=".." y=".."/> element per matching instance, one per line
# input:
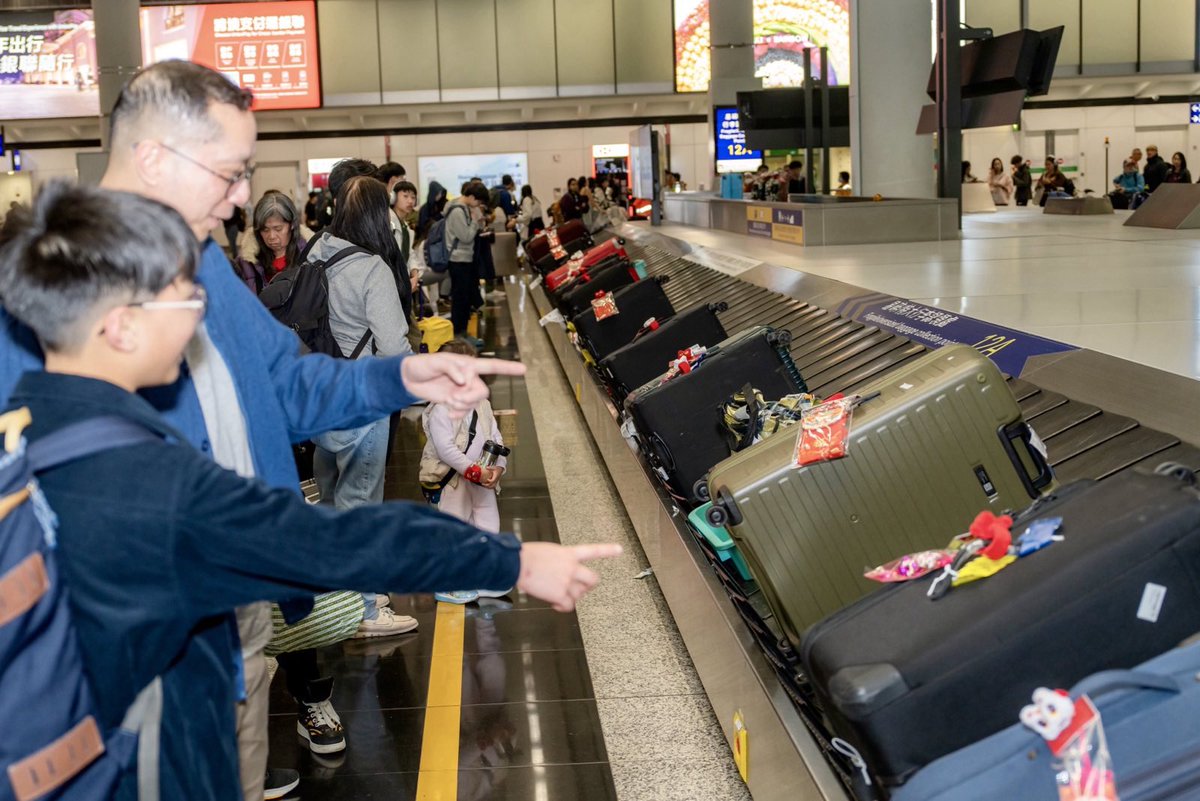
<point x="320" y="725"/>
<point x="280" y="782"/>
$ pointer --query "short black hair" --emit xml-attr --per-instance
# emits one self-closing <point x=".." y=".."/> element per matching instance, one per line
<point x="795" y="164"/>
<point x="389" y="170"/>
<point x="507" y="180"/>
<point x="178" y="94"/>
<point x="477" y="191"/>
<point x="346" y="169"/>
<point x="80" y="248"/>
<point x="404" y="186"/>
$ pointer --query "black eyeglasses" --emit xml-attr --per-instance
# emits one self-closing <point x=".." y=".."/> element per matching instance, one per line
<point x="244" y="174"/>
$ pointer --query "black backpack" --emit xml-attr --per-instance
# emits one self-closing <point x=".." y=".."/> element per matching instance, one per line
<point x="298" y="297"/>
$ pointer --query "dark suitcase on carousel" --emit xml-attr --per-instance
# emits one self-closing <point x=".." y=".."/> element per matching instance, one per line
<point x="550" y="249"/>
<point x="907" y="679"/>
<point x="607" y="278"/>
<point x="647" y="357"/>
<point x="933" y="443"/>
<point x="636" y="305"/>
<point x="679" y="421"/>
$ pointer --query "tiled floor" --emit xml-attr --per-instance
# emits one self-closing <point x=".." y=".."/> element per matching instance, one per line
<point x="602" y="704"/>
<point x="1088" y="281"/>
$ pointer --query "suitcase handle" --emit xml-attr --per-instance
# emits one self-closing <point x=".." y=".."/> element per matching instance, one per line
<point x="718" y="307"/>
<point x="1020" y="431"/>
<point x="1107" y="681"/>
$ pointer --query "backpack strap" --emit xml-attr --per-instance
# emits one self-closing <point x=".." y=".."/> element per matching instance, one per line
<point x="362" y="343"/>
<point x="446" y="479"/>
<point x="86" y="438"/>
<point x="341" y="255"/>
<point x="144" y="719"/>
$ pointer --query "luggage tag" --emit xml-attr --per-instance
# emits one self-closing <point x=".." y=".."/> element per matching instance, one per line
<point x="824" y="431"/>
<point x="605" y="305"/>
<point x="1074" y="732"/>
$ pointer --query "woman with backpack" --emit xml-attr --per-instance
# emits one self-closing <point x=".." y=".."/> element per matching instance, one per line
<point x="278" y="240"/>
<point x="431" y="212"/>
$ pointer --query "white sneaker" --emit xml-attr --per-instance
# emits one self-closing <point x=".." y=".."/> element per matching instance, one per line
<point x="456" y="597"/>
<point x="495" y="593"/>
<point x="385" y="624"/>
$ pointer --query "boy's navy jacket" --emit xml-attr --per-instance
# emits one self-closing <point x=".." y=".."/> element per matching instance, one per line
<point x="157" y="543"/>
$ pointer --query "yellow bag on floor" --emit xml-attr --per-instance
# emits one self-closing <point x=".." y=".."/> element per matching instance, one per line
<point x="435" y="332"/>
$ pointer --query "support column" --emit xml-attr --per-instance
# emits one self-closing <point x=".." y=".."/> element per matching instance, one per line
<point x="890" y="59"/>
<point x="731" y="34"/>
<point x="118" y="52"/>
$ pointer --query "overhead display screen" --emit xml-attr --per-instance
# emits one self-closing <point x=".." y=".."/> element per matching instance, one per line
<point x="782" y="31"/>
<point x="48" y="65"/>
<point x="732" y="153"/>
<point x="269" y="48"/>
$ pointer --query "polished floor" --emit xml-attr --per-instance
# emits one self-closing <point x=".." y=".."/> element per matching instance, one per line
<point x="598" y="704"/>
<point x="1128" y="292"/>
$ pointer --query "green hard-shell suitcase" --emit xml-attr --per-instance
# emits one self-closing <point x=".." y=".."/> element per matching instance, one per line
<point x="933" y="443"/>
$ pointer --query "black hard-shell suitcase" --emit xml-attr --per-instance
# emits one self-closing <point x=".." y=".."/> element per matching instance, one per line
<point x="647" y="357"/>
<point x="907" y="679"/>
<point x="679" y="421"/>
<point x="636" y="304"/>
<point x="608" y="278"/>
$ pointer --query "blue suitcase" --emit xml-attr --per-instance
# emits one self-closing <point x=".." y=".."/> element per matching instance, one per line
<point x="1150" y="717"/>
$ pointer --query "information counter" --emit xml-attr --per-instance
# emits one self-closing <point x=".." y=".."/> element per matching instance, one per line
<point x="820" y="219"/>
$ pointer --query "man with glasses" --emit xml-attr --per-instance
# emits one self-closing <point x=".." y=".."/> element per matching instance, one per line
<point x="184" y="135"/>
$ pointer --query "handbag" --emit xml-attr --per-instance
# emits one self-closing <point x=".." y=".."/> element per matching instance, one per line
<point x="334" y="618"/>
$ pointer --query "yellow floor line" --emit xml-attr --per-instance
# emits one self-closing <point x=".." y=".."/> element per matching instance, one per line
<point x="438" y="779"/>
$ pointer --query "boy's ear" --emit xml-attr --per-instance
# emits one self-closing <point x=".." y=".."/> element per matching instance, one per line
<point x="148" y="157"/>
<point x="120" y="329"/>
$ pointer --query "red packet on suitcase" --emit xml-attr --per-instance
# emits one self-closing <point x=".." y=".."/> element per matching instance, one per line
<point x="605" y="305"/>
<point x="824" y="432"/>
<point x="556" y="247"/>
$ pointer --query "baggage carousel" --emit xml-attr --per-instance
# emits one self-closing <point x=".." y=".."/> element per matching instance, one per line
<point x="1081" y="403"/>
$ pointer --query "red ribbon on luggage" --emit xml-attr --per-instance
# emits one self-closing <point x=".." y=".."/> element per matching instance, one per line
<point x="556" y="247"/>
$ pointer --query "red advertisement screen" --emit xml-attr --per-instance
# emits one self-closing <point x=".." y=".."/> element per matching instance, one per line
<point x="269" y="48"/>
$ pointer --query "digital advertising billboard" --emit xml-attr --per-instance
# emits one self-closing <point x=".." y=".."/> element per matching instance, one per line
<point x="783" y="29"/>
<point x="48" y="65"/>
<point x="269" y="48"/>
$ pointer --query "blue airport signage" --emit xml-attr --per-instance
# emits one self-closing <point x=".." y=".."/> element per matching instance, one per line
<point x="731" y="139"/>
<point x="1194" y="112"/>
<point x="934" y="327"/>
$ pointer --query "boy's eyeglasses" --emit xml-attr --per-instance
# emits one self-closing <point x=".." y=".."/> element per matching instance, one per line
<point x="244" y="174"/>
<point x="197" y="302"/>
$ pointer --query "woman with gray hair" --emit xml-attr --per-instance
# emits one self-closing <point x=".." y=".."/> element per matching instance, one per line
<point x="279" y="237"/>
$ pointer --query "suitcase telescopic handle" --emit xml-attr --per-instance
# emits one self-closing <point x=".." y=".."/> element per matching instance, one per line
<point x="1107" y="681"/>
<point x="1021" y="432"/>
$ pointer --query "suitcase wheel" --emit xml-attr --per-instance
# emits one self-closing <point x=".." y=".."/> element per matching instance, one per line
<point x="779" y="337"/>
<point x="700" y="490"/>
<point x="724" y="510"/>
